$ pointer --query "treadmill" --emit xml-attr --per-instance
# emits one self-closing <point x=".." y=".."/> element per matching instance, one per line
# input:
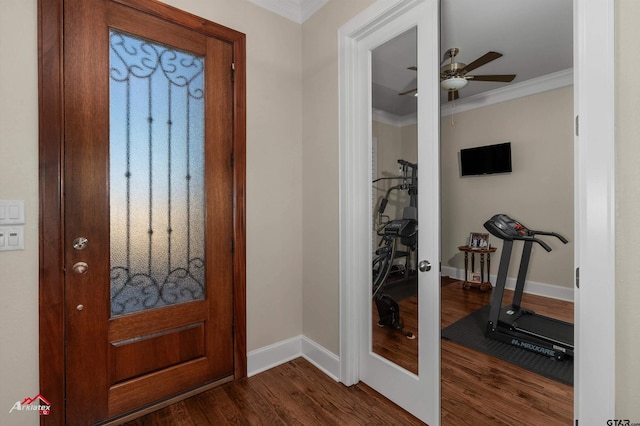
<point x="512" y="323"/>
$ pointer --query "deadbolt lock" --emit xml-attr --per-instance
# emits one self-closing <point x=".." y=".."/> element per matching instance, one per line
<point x="80" y="243"/>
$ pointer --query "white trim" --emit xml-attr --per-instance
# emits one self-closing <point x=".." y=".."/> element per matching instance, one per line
<point x="267" y="357"/>
<point x="531" y="287"/>
<point x="595" y="308"/>
<point x="530" y="87"/>
<point x="309" y="7"/>
<point x="297" y="11"/>
<point x="393" y="119"/>
<point x="324" y="359"/>
<point x="533" y="86"/>
<point x="270" y="356"/>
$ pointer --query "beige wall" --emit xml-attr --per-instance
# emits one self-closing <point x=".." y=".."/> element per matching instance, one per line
<point x="389" y="150"/>
<point x="320" y="196"/>
<point x="539" y="191"/>
<point x="628" y="210"/>
<point x="19" y="180"/>
<point x="274" y="189"/>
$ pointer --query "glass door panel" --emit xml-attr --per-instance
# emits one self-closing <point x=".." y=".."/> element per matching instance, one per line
<point x="395" y="201"/>
<point x="156" y="175"/>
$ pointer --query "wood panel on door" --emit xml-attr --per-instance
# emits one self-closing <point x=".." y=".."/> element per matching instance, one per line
<point x="116" y="361"/>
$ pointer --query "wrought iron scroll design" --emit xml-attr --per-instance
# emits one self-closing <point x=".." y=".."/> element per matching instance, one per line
<point x="173" y="83"/>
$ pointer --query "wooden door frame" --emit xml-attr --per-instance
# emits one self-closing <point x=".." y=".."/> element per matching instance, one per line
<point x="51" y="195"/>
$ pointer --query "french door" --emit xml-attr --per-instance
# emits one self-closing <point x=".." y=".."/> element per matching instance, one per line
<point x="414" y="384"/>
<point x="149" y="223"/>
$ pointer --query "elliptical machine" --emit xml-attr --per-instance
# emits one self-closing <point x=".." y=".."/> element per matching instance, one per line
<point x="388" y="309"/>
<point x="403" y="230"/>
<point x="513" y="324"/>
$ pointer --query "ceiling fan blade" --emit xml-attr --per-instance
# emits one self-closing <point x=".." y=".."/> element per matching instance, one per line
<point x="408" y="91"/>
<point x="453" y="95"/>
<point x="484" y="59"/>
<point x="505" y="78"/>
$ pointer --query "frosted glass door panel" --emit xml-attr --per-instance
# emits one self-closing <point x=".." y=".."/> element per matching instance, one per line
<point x="156" y="175"/>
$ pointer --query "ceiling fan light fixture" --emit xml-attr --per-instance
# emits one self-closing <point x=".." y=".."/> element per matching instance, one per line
<point x="453" y="83"/>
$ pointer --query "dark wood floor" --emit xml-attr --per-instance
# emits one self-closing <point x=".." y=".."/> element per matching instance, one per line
<point x="476" y="388"/>
<point x="295" y="393"/>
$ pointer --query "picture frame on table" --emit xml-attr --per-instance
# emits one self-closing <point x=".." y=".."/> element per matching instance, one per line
<point x="474" y="277"/>
<point x="479" y="241"/>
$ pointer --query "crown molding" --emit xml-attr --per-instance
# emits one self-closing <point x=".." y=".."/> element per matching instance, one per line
<point x="533" y="86"/>
<point x="295" y="10"/>
<point x="393" y="119"/>
<point x="309" y="7"/>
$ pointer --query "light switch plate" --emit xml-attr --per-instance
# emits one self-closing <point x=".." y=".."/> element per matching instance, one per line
<point x="11" y="212"/>
<point x="11" y="238"/>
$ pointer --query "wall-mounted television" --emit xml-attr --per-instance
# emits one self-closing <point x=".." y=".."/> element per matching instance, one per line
<point x="485" y="160"/>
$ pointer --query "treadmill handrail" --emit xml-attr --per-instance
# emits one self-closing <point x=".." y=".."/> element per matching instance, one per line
<point x="542" y="243"/>
<point x="553" y="234"/>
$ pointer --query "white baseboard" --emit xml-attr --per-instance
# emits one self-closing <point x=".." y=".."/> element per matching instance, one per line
<point x="531" y="287"/>
<point x="322" y="358"/>
<point x="267" y="357"/>
<point x="263" y="359"/>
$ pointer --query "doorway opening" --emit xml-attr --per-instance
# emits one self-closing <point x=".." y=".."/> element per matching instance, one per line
<point x="592" y="183"/>
<point x="537" y="190"/>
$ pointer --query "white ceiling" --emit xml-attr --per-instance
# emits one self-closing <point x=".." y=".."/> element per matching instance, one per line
<point x="535" y="37"/>
<point x="295" y="10"/>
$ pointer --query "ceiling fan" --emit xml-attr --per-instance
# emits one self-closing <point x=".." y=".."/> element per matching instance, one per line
<point x="453" y="76"/>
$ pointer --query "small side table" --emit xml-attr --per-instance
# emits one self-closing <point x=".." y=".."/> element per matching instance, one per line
<point x="482" y="285"/>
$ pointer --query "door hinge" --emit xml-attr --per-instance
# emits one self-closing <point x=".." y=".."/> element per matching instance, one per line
<point x="233" y="245"/>
<point x="578" y="277"/>
<point x="233" y="160"/>
<point x="233" y="71"/>
<point x="577" y="125"/>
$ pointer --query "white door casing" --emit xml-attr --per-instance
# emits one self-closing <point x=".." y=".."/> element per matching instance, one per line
<point x="594" y="209"/>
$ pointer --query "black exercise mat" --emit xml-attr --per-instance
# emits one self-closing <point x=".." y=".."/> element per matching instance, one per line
<point x="469" y="332"/>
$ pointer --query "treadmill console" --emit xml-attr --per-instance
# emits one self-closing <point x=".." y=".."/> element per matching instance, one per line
<point x="505" y="228"/>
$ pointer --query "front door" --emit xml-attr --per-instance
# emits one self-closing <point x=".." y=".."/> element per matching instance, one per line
<point x="148" y="222"/>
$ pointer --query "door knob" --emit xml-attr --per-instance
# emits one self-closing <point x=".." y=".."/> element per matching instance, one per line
<point x="424" y="266"/>
<point x="80" y="268"/>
